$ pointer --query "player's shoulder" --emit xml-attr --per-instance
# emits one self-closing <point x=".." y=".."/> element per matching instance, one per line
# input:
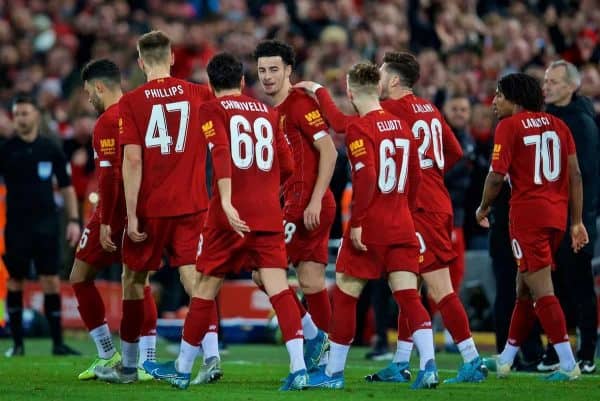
<point x="300" y="97"/>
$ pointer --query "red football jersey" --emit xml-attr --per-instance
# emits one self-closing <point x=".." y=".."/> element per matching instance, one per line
<point x="162" y="116"/>
<point x="385" y="173"/>
<point x="107" y="153"/>
<point x="438" y="149"/>
<point x="247" y="145"/>
<point x="533" y="149"/>
<point x="301" y="119"/>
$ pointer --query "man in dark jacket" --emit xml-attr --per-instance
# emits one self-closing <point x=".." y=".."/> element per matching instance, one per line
<point x="573" y="279"/>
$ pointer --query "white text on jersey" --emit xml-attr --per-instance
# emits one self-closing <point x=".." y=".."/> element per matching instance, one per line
<point x="164" y="92"/>
<point x="389" y="125"/>
<point x="422" y="108"/>
<point x="535" y="122"/>
<point x="244" y="106"/>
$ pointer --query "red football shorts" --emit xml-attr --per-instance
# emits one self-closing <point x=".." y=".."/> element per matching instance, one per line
<point x="534" y="247"/>
<point x="223" y="251"/>
<point x="89" y="249"/>
<point x="378" y="260"/>
<point x="176" y="237"/>
<point x="304" y="245"/>
<point x="434" y="233"/>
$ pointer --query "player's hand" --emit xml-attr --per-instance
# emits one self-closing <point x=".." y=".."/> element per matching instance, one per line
<point x="73" y="233"/>
<point x="133" y="230"/>
<point x="105" y="238"/>
<point x="312" y="215"/>
<point x="481" y="217"/>
<point x="356" y="238"/>
<point x="579" y="237"/>
<point x="309" y="86"/>
<point x="238" y="225"/>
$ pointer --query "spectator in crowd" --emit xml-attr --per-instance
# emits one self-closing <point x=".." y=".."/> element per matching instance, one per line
<point x="29" y="162"/>
<point x="573" y="279"/>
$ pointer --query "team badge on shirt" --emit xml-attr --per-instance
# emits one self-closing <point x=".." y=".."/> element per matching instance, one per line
<point x="44" y="169"/>
<point x="208" y="129"/>
<point x="357" y="148"/>
<point x="496" y="152"/>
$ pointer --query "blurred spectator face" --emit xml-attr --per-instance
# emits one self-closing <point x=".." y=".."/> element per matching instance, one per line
<point x="273" y="73"/>
<point x="91" y="88"/>
<point x="26" y="118"/>
<point x="557" y="89"/>
<point x="6" y="125"/>
<point x="458" y="112"/>
<point x="501" y="106"/>
<point x="590" y="81"/>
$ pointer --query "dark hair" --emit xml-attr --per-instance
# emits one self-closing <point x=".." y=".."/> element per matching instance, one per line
<point x="102" y="69"/>
<point x="364" y="74"/>
<point x="154" y="47"/>
<point x="274" y="48"/>
<point x="224" y="72"/>
<point x="523" y="90"/>
<point x="405" y="65"/>
<point x="24" y="98"/>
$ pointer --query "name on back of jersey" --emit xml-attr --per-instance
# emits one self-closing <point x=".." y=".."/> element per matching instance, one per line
<point x="535" y="122"/>
<point x="164" y="92"/>
<point x="244" y="106"/>
<point x="389" y="125"/>
<point x="422" y="108"/>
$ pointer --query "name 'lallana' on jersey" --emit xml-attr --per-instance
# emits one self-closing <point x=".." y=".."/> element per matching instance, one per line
<point x="422" y="108"/>
<point x="389" y="125"/>
<point x="535" y="122"/>
<point x="244" y="106"/>
<point x="164" y="92"/>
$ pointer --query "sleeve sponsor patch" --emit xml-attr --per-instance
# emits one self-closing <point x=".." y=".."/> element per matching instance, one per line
<point x="496" y="152"/>
<point x="208" y="128"/>
<point x="357" y="148"/>
<point x="314" y="118"/>
<point x="108" y="146"/>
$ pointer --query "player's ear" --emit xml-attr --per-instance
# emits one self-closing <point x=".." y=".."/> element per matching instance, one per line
<point x="99" y="86"/>
<point x="288" y="71"/>
<point x="172" y="59"/>
<point x="140" y="63"/>
<point x="242" y="83"/>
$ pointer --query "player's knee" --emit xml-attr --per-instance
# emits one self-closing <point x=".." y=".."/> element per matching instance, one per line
<point x="50" y="284"/>
<point x="256" y="278"/>
<point x="311" y="277"/>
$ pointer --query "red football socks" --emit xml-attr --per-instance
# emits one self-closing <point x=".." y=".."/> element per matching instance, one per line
<point x="454" y="317"/>
<point x="404" y="333"/>
<point x="198" y="320"/>
<point x="343" y="321"/>
<point x="521" y="323"/>
<point x="287" y="315"/>
<point x="150" y="313"/>
<point x="320" y="309"/>
<point x="132" y="320"/>
<point x="552" y="318"/>
<point x="90" y="304"/>
<point x="411" y="307"/>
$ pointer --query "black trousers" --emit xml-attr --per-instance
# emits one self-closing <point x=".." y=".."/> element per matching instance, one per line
<point x="505" y="272"/>
<point x="573" y="282"/>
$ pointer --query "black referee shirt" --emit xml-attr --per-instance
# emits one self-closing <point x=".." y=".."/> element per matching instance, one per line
<point x="28" y="170"/>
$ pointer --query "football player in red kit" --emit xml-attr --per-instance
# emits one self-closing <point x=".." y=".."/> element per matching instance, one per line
<point x="309" y="206"/>
<point x="537" y="152"/>
<point x="385" y="176"/>
<point x="243" y="229"/>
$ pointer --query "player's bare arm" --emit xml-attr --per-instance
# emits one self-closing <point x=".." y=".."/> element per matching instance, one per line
<point x="336" y="119"/>
<point x="238" y="225"/>
<point x="579" y="235"/>
<point x="491" y="189"/>
<point x="73" y="230"/>
<point x="327" y="158"/>
<point x="132" y="181"/>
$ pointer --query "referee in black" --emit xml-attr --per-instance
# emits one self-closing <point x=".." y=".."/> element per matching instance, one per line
<point x="30" y="164"/>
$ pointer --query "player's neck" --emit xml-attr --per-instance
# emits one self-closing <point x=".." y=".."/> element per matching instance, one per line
<point x="28" y="136"/>
<point x="366" y="106"/>
<point x="228" y="92"/>
<point x="399" y="93"/>
<point x="280" y="96"/>
<point x="158" y="73"/>
<point x="111" y="99"/>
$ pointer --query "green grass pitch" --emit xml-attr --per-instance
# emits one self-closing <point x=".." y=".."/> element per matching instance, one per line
<point x="253" y="372"/>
